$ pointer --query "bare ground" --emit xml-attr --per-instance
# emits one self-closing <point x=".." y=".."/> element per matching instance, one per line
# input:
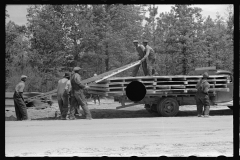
<point x="125" y="132"/>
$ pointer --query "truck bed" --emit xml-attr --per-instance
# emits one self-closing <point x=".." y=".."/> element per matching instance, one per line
<point x="160" y="85"/>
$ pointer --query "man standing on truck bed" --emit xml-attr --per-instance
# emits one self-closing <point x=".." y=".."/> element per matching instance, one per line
<point x="151" y="58"/>
<point x="20" y="106"/>
<point x="77" y="96"/>
<point x="140" y="49"/>
<point x="202" y="98"/>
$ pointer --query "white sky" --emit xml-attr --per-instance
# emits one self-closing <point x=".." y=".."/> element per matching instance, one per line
<point x="18" y="12"/>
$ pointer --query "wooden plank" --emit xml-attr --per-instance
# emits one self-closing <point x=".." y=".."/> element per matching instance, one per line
<point x="182" y="82"/>
<point x="116" y="89"/>
<point x="171" y="83"/>
<point x="151" y="92"/>
<point x="209" y="84"/>
<point x="213" y="89"/>
<point x="120" y="87"/>
<point x="99" y="85"/>
<point x="163" y="87"/>
<point x="163" y="79"/>
<point x="178" y="87"/>
<point x="115" y="71"/>
<point x="115" y="93"/>
<point x="117" y="81"/>
<point x="210" y="80"/>
<point x="98" y="89"/>
<point x="116" y="85"/>
<point x="178" y="78"/>
<point x="168" y="77"/>
<point x="144" y="82"/>
<point x="98" y="93"/>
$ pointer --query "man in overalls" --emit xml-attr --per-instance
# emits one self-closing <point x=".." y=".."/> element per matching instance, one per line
<point x="63" y="91"/>
<point x="202" y="98"/>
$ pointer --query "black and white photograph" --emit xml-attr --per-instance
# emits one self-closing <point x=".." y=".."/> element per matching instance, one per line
<point x="119" y="80"/>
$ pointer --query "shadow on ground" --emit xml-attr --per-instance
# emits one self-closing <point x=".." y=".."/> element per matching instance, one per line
<point x="112" y="113"/>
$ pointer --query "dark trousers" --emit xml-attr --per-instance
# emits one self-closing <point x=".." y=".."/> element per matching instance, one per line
<point x="78" y="99"/>
<point x="20" y="107"/>
<point x="96" y="97"/>
<point x="144" y="67"/>
<point x="151" y="66"/>
<point x="202" y="100"/>
<point x="63" y="101"/>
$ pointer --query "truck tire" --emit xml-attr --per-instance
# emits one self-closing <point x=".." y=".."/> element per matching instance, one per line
<point x="151" y="109"/>
<point x="168" y="107"/>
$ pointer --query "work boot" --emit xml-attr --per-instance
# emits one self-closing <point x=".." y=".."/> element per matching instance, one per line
<point x="26" y="119"/>
<point x="72" y="118"/>
<point x="206" y="110"/>
<point x="89" y="118"/>
<point x="63" y="118"/>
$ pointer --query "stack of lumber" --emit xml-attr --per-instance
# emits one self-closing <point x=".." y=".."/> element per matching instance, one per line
<point x="158" y="85"/>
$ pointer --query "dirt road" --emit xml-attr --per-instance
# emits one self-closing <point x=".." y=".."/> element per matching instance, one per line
<point x="126" y="132"/>
<point x="174" y="136"/>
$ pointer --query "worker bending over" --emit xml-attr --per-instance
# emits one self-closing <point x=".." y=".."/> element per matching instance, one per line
<point x="150" y="58"/>
<point x="140" y="49"/>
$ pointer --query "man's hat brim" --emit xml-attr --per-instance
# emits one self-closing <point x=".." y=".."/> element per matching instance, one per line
<point x="77" y="68"/>
<point x="23" y="76"/>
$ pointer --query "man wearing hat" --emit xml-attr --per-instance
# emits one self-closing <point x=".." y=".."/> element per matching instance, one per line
<point x="20" y="106"/>
<point x="77" y="95"/>
<point x="202" y="98"/>
<point x="140" y="49"/>
<point x="63" y="91"/>
<point x="151" y="58"/>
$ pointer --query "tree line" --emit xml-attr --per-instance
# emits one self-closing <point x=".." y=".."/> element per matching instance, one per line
<point x="99" y="38"/>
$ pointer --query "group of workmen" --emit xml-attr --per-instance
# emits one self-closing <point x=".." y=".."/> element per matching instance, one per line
<point x="70" y="90"/>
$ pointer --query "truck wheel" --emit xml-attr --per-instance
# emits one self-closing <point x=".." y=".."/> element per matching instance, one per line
<point x="168" y="107"/>
<point x="151" y="109"/>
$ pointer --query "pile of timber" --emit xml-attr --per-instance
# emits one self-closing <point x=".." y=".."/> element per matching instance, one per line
<point x="159" y="85"/>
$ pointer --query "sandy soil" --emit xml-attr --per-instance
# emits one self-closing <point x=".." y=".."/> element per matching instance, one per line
<point x="125" y="132"/>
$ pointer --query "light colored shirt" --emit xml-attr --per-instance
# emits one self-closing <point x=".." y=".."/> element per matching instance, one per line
<point x="20" y="86"/>
<point x="68" y="86"/>
<point x="149" y="52"/>
<point x="61" y="86"/>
